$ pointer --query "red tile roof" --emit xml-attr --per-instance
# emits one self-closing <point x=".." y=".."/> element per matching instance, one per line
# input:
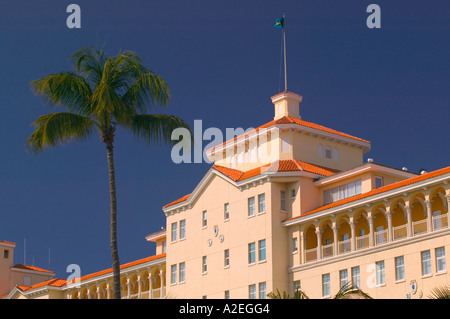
<point x="278" y="166"/>
<point x="380" y="190"/>
<point x="7" y="242"/>
<point x="291" y="120"/>
<point x="130" y="264"/>
<point x="33" y="268"/>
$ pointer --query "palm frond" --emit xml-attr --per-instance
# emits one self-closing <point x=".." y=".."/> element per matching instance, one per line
<point x="148" y="90"/>
<point x="56" y="128"/>
<point x="440" y="293"/>
<point x="349" y="291"/>
<point x="299" y="294"/>
<point x="88" y="62"/>
<point x="155" y="128"/>
<point x="65" y="88"/>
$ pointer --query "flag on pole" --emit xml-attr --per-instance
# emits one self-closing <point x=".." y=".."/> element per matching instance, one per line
<point x="279" y="23"/>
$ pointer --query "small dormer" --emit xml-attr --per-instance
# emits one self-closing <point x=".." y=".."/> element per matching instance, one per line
<point x="287" y="104"/>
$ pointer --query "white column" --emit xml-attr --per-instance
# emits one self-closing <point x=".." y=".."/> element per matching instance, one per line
<point x="429" y="215"/>
<point x="353" y="234"/>
<point x="389" y="222"/>
<point x="319" y="243"/>
<point x="139" y="281"/>
<point x="335" y="240"/>
<point x="370" y="218"/>
<point x="409" y="220"/>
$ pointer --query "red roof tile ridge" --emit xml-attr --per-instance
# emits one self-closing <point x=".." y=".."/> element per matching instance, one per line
<point x="34" y="268"/>
<point x="124" y="266"/>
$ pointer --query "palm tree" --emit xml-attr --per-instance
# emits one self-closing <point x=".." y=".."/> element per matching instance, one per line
<point x="100" y="94"/>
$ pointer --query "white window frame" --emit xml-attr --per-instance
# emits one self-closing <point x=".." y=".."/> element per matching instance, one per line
<point x="182" y="272"/>
<point x="251" y="253"/>
<point x="399" y="268"/>
<point x="425" y="257"/>
<point x="261" y="203"/>
<point x="182" y="229"/>
<point x="252" y="291"/>
<point x="251" y="206"/>
<point x="174" y="232"/>
<point x="173" y="274"/>
<point x="326" y="285"/>
<point x="204" y="264"/>
<point x="343" y="277"/>
<point x="226" y="257"/>
<point x="440" y="260"/>
<point x="226" y="211"/>
<point x="204" y="219"/>
<point x="262" y="252"/>
<point x="380" y="273"/>
<point x="356" y="277"/>
<point x="262" y="290"/>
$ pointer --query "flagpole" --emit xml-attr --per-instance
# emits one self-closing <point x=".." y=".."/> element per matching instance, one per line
<point x="284" y="41"/>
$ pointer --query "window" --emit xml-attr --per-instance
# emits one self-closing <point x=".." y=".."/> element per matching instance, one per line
<point x="182" y="272"/>
<point x="251" y="206"/>
<point x="328" y="152"/>
<point x="262" y="250"/>
<point x="262" y="290"/>
<point x="251" y="253"/>
<point x="378" y="181"/>
<point x="164" y="246"/>
<point x="204" y="265"/>
<point x="226" y="211"/>
<point x="399" y="268"/>
<point x="226" y="258"/>
<point x="6" y="254"/>
<point x="294" y="244"/>
<point x="283" y="200"/>
<point x="440" y="259"/>
<point x="426" y="263"/>
<point x="182" y="229"/>
<point x="227" y="294"/>
<point x="355" y="277"/>
<point x="173" y="274"/>
<point x="174" y="231"/>
<point x="292" y="193"/>
<point x="205" y="218"/>
<point x="325" y="285"/>
<point x="380" y="272"/>
<point x="261" y="203"/>
<point x="341" y="192"/>
<point x="252" y="292"/>
<point x="343" y="276"/>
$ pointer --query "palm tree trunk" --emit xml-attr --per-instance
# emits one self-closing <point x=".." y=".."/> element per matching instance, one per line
<point x="113" y="199"/>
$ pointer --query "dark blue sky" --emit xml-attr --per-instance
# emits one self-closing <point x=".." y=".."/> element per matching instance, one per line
<point x="221" y="60"/>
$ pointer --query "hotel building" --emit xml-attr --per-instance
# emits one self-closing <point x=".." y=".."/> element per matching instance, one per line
<point x="290" y="205"/>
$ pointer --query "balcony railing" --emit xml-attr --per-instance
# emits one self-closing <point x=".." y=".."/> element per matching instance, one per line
<point x="311" y="254"/>
<point x="362" y="242"/>
<point x="327" y="250"/>
<point x="381" y="237"/>
<point x="344" y="246"/>
<point x="419" y="227"/>
<point x="400" y="232"/>
<point x="440" y="222"/>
